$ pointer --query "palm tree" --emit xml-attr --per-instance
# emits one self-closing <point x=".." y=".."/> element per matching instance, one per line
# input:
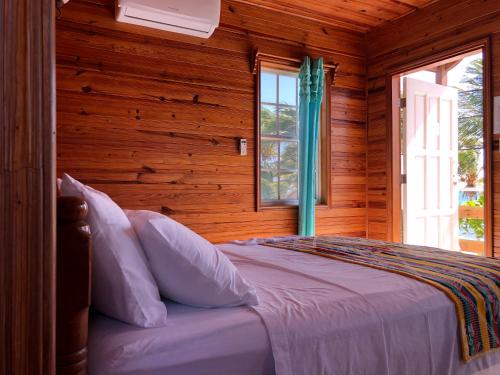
<point x="468" y="167"/>
<point x="470" y="122"/>
<point x="470" y="139"/>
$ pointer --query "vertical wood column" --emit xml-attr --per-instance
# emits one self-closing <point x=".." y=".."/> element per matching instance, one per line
<point x="27" y="202"/>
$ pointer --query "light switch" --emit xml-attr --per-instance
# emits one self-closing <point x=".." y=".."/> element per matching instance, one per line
<point x="243" y="146"/>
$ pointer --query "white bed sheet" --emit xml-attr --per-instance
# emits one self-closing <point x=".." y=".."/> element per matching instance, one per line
<point x="322" y="317"/>
<point x="196" y="341"/>
<point x="330" y="317"/>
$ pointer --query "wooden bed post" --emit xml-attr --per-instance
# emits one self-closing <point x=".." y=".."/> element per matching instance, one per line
<point x="73" y="286"/>
<point x="27" y="187"/>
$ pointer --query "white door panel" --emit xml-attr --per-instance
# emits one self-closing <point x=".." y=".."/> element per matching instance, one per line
<point x="431" y="190"/>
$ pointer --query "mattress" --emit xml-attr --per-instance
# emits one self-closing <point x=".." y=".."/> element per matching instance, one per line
<point x="316" y="316"/>
<point x="195" y="342"/>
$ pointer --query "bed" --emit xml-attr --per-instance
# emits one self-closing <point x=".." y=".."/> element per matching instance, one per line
<point x="351" y="319"/>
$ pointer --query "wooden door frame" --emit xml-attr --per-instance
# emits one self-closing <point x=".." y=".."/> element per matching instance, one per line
<point x="27" y="183"/>
<point x="393" y="138"/>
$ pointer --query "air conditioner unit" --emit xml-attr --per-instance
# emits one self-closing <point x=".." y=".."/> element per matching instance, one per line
<point x="193" y="17"/>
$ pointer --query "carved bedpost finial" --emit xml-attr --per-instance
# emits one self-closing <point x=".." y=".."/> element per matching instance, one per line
<point x="71" y="209"/>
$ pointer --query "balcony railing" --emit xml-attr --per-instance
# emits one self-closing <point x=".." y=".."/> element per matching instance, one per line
<point x="468" y="245"/>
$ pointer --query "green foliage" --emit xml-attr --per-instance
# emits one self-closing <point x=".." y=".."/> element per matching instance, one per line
<point x="269" y="169"/>
<point x="476" y="225"/>
<point x="470" y="122"/>
<point x="288" y="122"/>
<point x="468" y="166"/>
<point x="279" y="157"/>
<point x="269" y="189"/>
<point x="470" y="104"/>
<point x="268" y="120"/>
<point x="283" y="124"/>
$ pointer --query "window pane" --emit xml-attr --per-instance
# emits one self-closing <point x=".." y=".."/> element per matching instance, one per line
<point x="269" y="185"/>
<point x="288" y="122"/>
<point x="289" y="155"/>
<point x="289" y="186"/>
<point x="288" y="89"/>
<point x="269" y="155"/>
<point x="268" y="119"/>
<point x="279" y="131"/>
<point x="268" y="83"/>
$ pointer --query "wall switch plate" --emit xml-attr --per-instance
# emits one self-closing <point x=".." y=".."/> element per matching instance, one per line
<point x="243" y="146"/>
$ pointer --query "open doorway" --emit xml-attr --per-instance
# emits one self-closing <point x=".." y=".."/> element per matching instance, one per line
<point x="443" y="163"/>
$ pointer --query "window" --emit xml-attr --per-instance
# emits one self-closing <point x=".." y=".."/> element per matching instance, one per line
<point x="279" y="139"/>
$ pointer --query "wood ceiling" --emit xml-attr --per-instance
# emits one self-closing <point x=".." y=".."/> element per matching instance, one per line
<point x="360" y="15"/>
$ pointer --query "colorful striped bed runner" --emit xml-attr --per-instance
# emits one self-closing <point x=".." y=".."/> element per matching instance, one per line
<point x="471" y="282"/>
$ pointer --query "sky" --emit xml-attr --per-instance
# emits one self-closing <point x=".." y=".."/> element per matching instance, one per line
<point x="287" y="87"/>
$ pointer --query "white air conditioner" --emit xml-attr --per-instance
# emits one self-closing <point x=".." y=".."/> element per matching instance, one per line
<point x="193" y="17"/>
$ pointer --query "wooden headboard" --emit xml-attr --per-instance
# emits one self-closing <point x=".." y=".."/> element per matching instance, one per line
<point x="73" y="286"/>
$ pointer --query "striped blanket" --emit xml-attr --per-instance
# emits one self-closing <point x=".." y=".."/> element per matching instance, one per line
<point x="471" y="282"/>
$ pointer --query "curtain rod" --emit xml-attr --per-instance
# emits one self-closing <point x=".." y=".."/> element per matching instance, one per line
<point x="258" y="56"/>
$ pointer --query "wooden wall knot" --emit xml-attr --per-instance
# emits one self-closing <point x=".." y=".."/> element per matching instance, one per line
<point x="147" y="169"/>
<point x="166" y="210"/>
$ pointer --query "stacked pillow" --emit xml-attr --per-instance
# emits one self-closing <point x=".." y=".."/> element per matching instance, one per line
<point x="187" y="268"/>
<point x="122" y="284"/>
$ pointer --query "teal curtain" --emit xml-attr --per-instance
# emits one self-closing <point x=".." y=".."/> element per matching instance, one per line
<point x="310" y="96"/>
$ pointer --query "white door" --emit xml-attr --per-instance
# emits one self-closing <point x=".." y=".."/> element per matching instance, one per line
<point x="430" y="195"/>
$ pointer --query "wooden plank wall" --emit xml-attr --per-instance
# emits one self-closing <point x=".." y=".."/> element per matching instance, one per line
<point x="153" y="118"/>
<point x="434" y="29"/>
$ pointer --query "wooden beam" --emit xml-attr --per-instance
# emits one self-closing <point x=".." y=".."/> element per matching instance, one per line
<point x="441" y="75"/>
<point x="443" y="70"/>
<point x="27" y="179"/>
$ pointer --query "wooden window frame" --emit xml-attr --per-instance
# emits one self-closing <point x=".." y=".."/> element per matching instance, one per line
<point x="393" y="138"/>
<point x="293" y="65"/>
<point x="279" y="73"/>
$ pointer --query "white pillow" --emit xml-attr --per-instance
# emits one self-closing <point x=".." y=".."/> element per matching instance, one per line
<point x="188" y="269"/>
<point x="122" y="285"/>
